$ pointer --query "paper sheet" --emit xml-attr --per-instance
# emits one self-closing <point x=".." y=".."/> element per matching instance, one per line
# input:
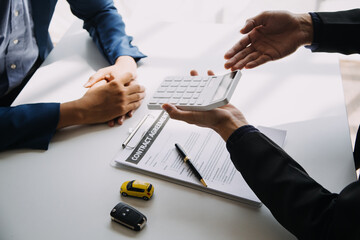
<point x="153" y="150"/>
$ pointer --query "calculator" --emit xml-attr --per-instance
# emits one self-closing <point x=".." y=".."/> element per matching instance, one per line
<point x="198" y="93"/>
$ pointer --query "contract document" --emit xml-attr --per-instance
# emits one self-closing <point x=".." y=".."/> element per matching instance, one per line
<point x="152" y="150"/>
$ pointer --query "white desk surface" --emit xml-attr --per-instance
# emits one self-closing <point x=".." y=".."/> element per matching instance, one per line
<point x="68" y="191"/>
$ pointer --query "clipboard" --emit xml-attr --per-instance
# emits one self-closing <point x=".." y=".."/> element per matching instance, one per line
<point x="151" y="151"/>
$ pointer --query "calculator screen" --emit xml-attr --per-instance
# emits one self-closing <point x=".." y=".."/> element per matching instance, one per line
<point x="223" y="87"/>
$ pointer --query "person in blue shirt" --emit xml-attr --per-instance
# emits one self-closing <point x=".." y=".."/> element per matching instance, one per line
<point x="297" y="201"/>
<point x="25" y="42"/>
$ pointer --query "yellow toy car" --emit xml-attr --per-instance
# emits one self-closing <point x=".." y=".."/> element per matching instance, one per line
<point x="137" y="188"/>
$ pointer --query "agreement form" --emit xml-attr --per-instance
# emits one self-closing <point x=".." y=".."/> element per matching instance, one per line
<point x="153" y="150"/>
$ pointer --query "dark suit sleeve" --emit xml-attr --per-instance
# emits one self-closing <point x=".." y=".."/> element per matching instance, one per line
<point x="336" y="31"/>
<point x="297" y="201"/>
<point x="28" y="126"/>
<point x="106" y="27"/>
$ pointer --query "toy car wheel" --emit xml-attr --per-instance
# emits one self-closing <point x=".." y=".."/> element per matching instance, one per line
<point x="145" y="198"/>
<point x="124" y="194"/>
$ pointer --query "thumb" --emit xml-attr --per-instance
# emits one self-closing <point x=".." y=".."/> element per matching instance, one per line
<point x="249" y="25"/>
<point x="96" y="77"/>
<point x="173" y="112"/>
<point x="254" y="22"/>
<point x="99" y="83"/>
<point x="170" y="109"/>
<point x="126" y="78"/>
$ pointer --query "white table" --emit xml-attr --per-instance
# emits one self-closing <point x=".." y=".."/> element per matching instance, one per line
<point x="68" y="191"/>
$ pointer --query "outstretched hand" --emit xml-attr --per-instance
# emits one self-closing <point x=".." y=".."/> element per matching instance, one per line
<point x="269" y="36"/>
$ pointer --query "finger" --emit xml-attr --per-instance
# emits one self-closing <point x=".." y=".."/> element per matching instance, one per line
<point x="238" y="57"/>
<point x="249" y="58"/>
<point x="175" y="113"/>
<point x="136" y="88"/>
<point x="111" y="123"/>
<point x="172" y="111"/>
<point x="120" y="120"/>
<point x="257" y="62"/>
<point x="100" y="83"/>
<point x="252" y="23"/>
<point x="136" y="97"/>
<point x="132" y="106"/>
<point x="130" y="114"/>
<point x="126" y="78"/>
<point x="193" y="73"/>
<point x="98" y="76"/>
<point x="243" y="43"/>
<point x="133" y="82"/>
<point x="210" y="73"/>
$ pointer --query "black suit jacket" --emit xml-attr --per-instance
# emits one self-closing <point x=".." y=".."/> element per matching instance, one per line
<point x="297" y="201"/>
<point x="338" y="32"/>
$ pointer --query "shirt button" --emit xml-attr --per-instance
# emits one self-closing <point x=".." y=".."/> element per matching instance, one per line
<point x="13" y="66"/>
<point x="16" y="41"/>
<point x="16" y="13"/>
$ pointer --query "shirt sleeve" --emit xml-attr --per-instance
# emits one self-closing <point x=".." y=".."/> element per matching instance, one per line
<point x="297" y="201"/>
<point x="106" y="27"/>
<point x="336" y="31"/>
<point x="28" y="125"/>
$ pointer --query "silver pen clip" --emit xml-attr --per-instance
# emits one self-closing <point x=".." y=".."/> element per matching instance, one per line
<point x="132" y="134"/>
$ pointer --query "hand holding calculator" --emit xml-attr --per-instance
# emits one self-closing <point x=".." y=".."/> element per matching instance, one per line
<point x="199" y="93"/>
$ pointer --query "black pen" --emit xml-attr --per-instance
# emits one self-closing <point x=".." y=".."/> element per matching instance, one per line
<point x="188" y="162"/>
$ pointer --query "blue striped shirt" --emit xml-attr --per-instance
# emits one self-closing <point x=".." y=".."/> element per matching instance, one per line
<point x="18" y="47"/>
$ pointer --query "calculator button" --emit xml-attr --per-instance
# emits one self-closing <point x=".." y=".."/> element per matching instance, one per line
<point x="183" y="101"/>
<point x="177" y="95"/>
<point x="171" y="89"/>
<point x="180" y="89"/>
<point x="191" y="89"/>
<point x="187" y="79"/>
<point x="153" y="101"/>
<point x="165" y="84"/>
<point x="183" y="84"/>
<point x="194" y="84"/>
<point x="162" y="89"/>
<point x="174" y="101"/>
<point x="162" y="101"/>
<point x="187" y="95"/>
<point x="178" y="79"/>
<point x="200" y="89"/>
<point x="162" y="95"/>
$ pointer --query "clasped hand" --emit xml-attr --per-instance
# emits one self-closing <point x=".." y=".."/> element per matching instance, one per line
<point x="123" y="66"/>
<point x="113" y="94"/>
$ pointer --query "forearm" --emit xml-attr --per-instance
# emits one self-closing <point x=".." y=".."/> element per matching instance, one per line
<point x="227" y="127"/>
<point x="127" y="63"/>
<point x="299" y="203"/>
<point x="71" y="113"/>
<point x="106" y="27"/>
<point x="28" y="126"/>
<point x="336" y="31"/>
